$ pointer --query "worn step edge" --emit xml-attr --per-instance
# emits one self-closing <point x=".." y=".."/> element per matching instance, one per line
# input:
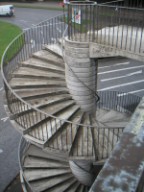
<point x="48" y="117"/>
<point x="48" y="68"/>
<point x="58" y="62"/>
<point x="47" y="143"/>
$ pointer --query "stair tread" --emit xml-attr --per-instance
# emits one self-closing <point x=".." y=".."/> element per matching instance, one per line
<point x="39" y="102"/>
<point x="49" y="56"/>
<point x="25" y="93"/>
<point x="42" y="121"/>
<point x="55" y="182"/>
<point x="50" y="104"/>
<point x="48" y="154"/>
<point x="54" y="47"/>
<point x="116" y="124"/>
<point x="83" y="142"/>
<point x="74" y="188"/>
<point x="28" y="82"/>
<point x="81" y="189"/>
<point x="38" y="162"/>
<point x="65" y="134"/>
<point x="101" y="112"/>
<point x="51" y="109"/>
<point x="27" y="71"/>
<point x="43" y="65"/>
<point x="47" y="130"/>
<point x="35" y="174"/>
<point x="112" y="115"/>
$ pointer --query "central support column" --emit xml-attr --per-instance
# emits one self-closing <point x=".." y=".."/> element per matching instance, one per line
<point x="81" y="74"/>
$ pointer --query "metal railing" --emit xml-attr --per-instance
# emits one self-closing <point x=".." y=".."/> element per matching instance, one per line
<point x="126" y="3"/>
<point x="30" y="117"/>
<point x="26" y="115"/>
<point x="48" y="32"/>
<point x="111" y="25"/>
<point x="115" y="3"/>
<point x="23" y="147"/>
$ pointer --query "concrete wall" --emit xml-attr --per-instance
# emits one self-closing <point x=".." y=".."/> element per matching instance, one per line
<point x="81" y="75"/>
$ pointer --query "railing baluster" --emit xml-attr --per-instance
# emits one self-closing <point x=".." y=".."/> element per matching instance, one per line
<point x="33" y="39"/>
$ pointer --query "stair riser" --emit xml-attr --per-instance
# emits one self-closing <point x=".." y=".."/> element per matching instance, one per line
<point x="52" y="61"/>
<point x="38" y="77"/>
<point x="38" y="86"/>
<point x="44" y="68"/>
<point x="59" y="130"/>
<point x="38" y="96"/>
<point x="45" y="120"/>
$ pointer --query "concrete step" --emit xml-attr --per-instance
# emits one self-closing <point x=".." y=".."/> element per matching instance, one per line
<point x="49" y="57"/>
<point x="43" y="104"/>
<point x="47" y="172"/>
<point x="40" y="162"/>
<point x="33" y="174"/>
<point x="49" y="106"/>
<point x="56" y="48"/>
<point x="100" y="112"/>
<point x="117" y="124"/>
<point x="35" y="119"/>
<point x="47" y="128"/>
<point x="112" y="115"/>
<point x="53" y="107"/>
<point x="27" y="72"/>
<point x="111" y="118"/>
<point x="52" y="183"/>
<point x="105" y="139"/>
<point x="83" y="144"/>
<point x="42" y="65"/>
<point x="63" y="138"/>
<point x="48" y="154"/>
<point x="20" y="83"/>
<point x="33" y="93"/>
<point x="81" y="188"/>
<point x="51" y="100"/>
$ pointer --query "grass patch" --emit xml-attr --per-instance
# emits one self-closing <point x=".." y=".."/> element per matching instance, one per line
<point x="7" y="33"/>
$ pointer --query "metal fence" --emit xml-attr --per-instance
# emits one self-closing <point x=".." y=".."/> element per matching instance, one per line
<point x="33" y="40"/>
<point x="48" y="32"/>
<point x="29" y="117"/>
<point x="126" y="3"/>
<point x="23" y="147"/>
<point x="111" y="25"/>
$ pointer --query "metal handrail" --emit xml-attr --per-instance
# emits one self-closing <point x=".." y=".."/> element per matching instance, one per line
<point x="109" y="25"/>
<point x="23" y="147"/>
<point x="16" y="95"/>
<point x="29" y="106"/>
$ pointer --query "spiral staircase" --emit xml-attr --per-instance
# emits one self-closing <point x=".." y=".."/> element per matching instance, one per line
<point x="65" y="143"/>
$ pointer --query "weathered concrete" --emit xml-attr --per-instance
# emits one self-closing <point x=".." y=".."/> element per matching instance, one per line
<point x="123" y="40"/>
<point x="125" y="167"/>
<point x="103" y="51"/>
<point x="80" y="73"/>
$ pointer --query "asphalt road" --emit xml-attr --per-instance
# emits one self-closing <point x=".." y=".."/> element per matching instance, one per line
<point x="26" y="18"/>
<point x="120" y="74"/>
